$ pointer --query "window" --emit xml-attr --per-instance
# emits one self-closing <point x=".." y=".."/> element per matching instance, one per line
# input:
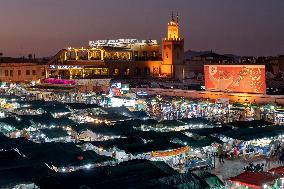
<point x="155" y="70"/>
<point x="167" y="54"/>
<point x="34" y="72"/>
<point x="116" y="71"/>
<point x="97" y="71"/>
<point x="6" y="72"/>
<point x="104" y="71"/>
<point x="28" y="72"/>
<point x="19" y="72"/>
<point x="126" y="71"/>
<point x="144" y="53"/>
<point x="11" y="73"/>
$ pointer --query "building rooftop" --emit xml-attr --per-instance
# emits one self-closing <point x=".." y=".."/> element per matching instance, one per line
<point x="131" y="174"/>
<point x="22" y="60"/>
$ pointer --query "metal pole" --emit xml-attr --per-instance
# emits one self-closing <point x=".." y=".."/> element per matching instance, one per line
<point x="214" y="160"/>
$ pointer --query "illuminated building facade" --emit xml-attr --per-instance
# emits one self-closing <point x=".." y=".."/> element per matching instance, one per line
<point x="121" y="58"/>
<point x="173" y="50"/>
<point x="21" y="71"/>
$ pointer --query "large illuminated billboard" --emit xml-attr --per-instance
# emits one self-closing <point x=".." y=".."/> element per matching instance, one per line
<point x="235" y="78"/>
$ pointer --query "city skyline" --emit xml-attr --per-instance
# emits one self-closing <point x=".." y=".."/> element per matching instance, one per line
<point x="141" y="94"/>
<point x="42" y="28"/>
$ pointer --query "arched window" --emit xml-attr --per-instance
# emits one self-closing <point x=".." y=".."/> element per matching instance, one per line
<point x="116" y="71"/>
<point x="126" y="71"/>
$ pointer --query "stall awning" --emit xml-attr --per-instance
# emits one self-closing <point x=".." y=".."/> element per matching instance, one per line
<point x="255" y="133"/>
<point x="254" y="179"/>
<point x="278" y="170"/>
<point x="253" y="123"/>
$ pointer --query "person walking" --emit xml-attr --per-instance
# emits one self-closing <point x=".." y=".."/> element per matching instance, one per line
<point x="220" y="154"/>
<point x="281" y="156"/>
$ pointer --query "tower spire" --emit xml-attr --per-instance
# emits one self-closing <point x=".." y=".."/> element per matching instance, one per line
<point x="177" y="17"/>
<point x="173" y="27"/>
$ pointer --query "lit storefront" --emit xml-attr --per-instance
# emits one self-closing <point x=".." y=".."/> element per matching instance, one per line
<point x="80" y="72"/>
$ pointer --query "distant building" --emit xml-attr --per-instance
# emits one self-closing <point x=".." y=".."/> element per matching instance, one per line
<point x="193" y="69"/>
<point x="20" y="70"/>
<point x="276" y="64"/>
<point x="121" y="58"/>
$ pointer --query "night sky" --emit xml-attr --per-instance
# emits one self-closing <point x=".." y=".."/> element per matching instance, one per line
<point x="43" y="27"/>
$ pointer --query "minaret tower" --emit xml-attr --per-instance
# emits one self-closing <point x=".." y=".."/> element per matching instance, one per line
<point x="173" y="28"/>
<point x="173" y="50"/>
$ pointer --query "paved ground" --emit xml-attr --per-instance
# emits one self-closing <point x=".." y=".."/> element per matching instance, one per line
<point x="231" y="168"/>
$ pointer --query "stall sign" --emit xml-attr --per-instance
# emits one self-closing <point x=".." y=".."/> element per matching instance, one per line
<point x="170" y="153"/>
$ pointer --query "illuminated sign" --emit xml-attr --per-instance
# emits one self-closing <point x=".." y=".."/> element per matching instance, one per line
<point x="94" y="82"/>
<point x="59" y="81"/>
<point x="235" y="78"/>
<point x="117" y="89"/>
<point x="64" y="67"/>
<point x="142" y="93"/>
<point x="116" y="85"/>
<point x="170" y="153"/>
<point x="119" y="102"/>
<point x="125" y="87"/>
<point x="121" y="42"/>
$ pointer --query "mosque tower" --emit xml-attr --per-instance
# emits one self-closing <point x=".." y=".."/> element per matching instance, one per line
<point x="173" y="50"/>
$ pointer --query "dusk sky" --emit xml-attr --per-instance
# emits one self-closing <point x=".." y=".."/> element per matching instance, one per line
<point x="43" y="27"/>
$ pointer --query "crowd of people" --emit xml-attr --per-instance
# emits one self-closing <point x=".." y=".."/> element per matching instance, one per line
<point x="276" y="154"/>
<point x="248" y="153"/>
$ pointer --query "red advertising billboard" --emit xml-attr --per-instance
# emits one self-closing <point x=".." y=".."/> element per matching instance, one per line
<point x="235" y="78"/>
